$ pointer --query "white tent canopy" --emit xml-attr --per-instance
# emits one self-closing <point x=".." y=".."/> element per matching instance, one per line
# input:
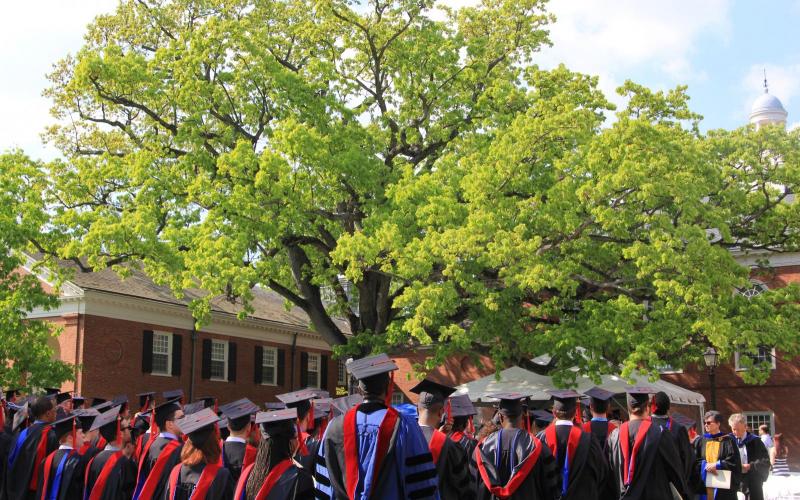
<point x="518" y="379"/>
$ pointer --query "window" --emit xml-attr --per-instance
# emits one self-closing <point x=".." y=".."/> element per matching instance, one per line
<point x="758" y="418"/>
<point x="341" y="379"/>
<point x="756" y="288"/>
<point x="269" y="366"/>
<point x="764" y="355"/>
<point x="398" y="398"/>
<point x="313" y="369"/>
<point x="219" y="360"/>
<point x="162" y="353"/>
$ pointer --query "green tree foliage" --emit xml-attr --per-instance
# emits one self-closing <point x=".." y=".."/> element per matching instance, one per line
<point x="473" y="200"/>
<point x="26" y="358"/>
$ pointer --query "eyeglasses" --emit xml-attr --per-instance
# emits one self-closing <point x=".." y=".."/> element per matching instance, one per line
<point x="710" y="422"/>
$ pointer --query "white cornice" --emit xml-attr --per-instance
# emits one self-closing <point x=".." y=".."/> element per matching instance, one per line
<point x="774" y="259"/>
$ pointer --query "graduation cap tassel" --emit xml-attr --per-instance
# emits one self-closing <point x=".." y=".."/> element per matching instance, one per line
<point x="578" y="416"/>
<point x="310" y="425"/>
<point x="449" y="411"/>
<point x="470" y="427"/>
<point x="74" y="432"/>
<point x="653" y="406"/>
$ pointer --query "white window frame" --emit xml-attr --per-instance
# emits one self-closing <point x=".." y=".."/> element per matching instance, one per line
<point x="274" y="366"/>
<point x="761" y="413"/>
<point x="341" y="373"/>
<point x="398" y="398"/>
<point x="168" y="373"/>
<point x="773" y="363"/>
<point x="224" y="360"/>
<point x="316" y="382"/>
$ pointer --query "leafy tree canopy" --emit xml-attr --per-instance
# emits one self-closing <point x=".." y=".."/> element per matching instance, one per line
<point x="474" y="201"/>
<point x="26" y="356"/>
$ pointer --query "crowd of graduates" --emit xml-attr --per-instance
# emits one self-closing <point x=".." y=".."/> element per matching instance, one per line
<point x="57" y="446"/>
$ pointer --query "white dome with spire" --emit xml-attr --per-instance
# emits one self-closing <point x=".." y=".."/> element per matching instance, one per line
<point x="767" y="109"/>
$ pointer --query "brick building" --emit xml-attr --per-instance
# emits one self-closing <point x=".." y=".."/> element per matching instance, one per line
<point x="131" y="336"/>
<point x="775" y="403"/>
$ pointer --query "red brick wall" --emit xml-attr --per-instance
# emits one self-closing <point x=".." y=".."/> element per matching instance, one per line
<point x="113" y="364"/>
<point x="66" y="344"/>
<point x="456" y="370"/>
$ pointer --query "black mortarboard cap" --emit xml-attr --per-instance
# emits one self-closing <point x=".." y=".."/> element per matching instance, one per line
<point x="510" y="402"/>
<point x="198" y="426"/>
<point x="319" y="393"/>
<point x="275" y="405"/>
<point x="292" y="399"/>
<point x="371" y="366"/>
<point x="239" y="409"/>
<point x="638" y="395"/>
<point x="223" y="422"/>
<point x="173" y="394"/>
<point x="142" y="421"/>
<point x="432" y="393"/>
<point x="280" y="422"/>
<point x="63" y="397"/>
<point x="120" y="400"/>
<point x="208" y="401"/>
<point x="104" y="406"/>
<point x="542" y="416"/>
<point x="144" y="397"/>
<point x="322" y="407"/>
<point x="343" y="405"/>
<point x="86" y="417"/>
<point x="564" y="399"/>
<point x="78" y="400"/>
<point x="194" y="407"/>
<point x="98" y="401"/>
<point x="64" y="426"/>
<point x="105" y="418"/>
<point x="163" y="410"/>
<point x="51" y="391"/>
<point x="461" y="406"/>
<point x="599" y="394"/>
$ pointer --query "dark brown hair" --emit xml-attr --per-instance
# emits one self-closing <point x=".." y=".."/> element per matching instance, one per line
<point x="781" y="451"/>
<point x="271" y="451"/>
<point x="208" y="453"/>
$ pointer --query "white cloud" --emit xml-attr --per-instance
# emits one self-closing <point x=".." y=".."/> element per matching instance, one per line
<point x="34" y="35"/>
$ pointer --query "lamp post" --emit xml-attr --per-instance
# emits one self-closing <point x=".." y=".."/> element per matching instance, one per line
<point x="711" y="359"/>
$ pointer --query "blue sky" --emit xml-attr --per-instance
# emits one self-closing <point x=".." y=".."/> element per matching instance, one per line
<point x="717" y="47"/>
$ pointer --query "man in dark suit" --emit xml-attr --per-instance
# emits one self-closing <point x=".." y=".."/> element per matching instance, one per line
<point x="755" y="458"/>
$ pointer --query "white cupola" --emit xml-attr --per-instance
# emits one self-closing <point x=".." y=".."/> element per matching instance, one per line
<point x="767" y="109"/>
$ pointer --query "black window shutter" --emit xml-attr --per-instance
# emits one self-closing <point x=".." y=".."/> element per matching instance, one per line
<point x="303" y="370"/>
<point x="258" y="364"/>
<point x="205" y="366"/>
<point x="147" y="351"/>
<point x="177" y="340"/>
<point x="323" y="372"/>
<point x="231" y="361"/>
<point x="281" y="367"/>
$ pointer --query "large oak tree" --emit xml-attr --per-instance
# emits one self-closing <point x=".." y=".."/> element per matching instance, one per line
<point x="416" y="167"/>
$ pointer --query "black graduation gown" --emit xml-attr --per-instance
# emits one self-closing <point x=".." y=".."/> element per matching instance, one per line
<point x="455" y="481"/>
<point x="307" y="461"/>
<point x="152" y="456"/>
<point x="233" y="458"/>
<point x="294" y="484"/>
<point x="728" y="458"/>
<point x="467" y="443"/>
<point x="657" y="465"/>
<point x="121" y="481"/>
<point x="540" y="482"/>
<point x="18" y="475"/>
<point x="5" y="443"/>
<point x="599" y="430"/>
<point x="72" y="475"/>
<point x="680" y="436"/>
<point x="588" y="471"/>
<point x="752" y="483"/>
<point x="221" y="488"/>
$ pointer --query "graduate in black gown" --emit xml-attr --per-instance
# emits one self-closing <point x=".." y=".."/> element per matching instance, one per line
<point x="237" y="453"/>
<point x="581" y="467"/>
<point x="512" y="463"/>
<point x="301" y="400"/>
<point x="463" y="431"/>
<point x="600" y="428"/>
<point x="29" y="449"/>
<point x="161" y="453"/>
<point x="374" y="451"/>
<point x="111" y="474"/>
<point x="450" y="459"/>
<point x="61" y="474"/>
<point x="715" y="450"/>
<point x="679" y="433"/>
<point x="200" y="472"/>
<point x="754" y="458"/>
<point x="643" y="458"/>
<point x="275" y="475"/>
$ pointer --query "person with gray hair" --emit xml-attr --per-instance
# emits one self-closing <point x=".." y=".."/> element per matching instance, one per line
<point x="754" y="458"/>
<point x="715" y="451"/>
